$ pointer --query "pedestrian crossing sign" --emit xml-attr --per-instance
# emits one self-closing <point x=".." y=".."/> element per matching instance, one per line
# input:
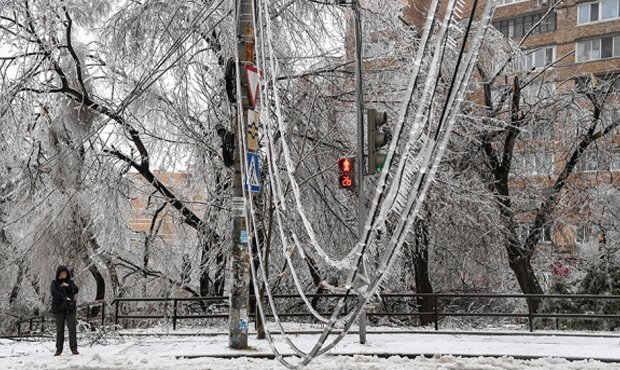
<point x="252" y="177"/>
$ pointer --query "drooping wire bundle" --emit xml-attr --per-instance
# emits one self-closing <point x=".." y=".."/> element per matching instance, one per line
<point x="402" y="185"/>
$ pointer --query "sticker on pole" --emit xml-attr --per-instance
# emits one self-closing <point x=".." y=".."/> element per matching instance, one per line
<point x="237" y="205"/>
<point x="243" y="237"/>
<point x="254" y="79"/>
<point x="252" y="176"/>
<point x="243" y="325"/>
<point x="252" y="134"/>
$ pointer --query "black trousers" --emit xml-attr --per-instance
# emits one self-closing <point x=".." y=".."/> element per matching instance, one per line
<point x="61" y="319"/>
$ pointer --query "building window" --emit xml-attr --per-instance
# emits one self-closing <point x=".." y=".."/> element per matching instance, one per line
<point x="606" y="47"/>
<point x="582" y="83"/>
<point x="609" y="9"/>
<point x="588" y="161"/>
<point x="583" y="234"/>
<point x="548" y="23"/>
<point x="547" y="232"/>
<point x="539" y="131"/>
<point x="539" y="58"/>
<point x="378" y="48"/>
<point x="615" y="83"/>
<point x="588" y="50"/>
<point x="507" y="2"/>
<point x="520" y="26"/>
<point x="537" y="92"/>
<point x="598" y="11"/>
<point x="615" y="160"/>
<point x="523" y="230"/>
<point x="608" y="82"/>
<point x="533" y="164"/>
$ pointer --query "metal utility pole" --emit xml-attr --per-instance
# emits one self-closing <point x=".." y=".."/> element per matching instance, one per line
<point x="361" y="196"/>
<point x="239" y="294"/>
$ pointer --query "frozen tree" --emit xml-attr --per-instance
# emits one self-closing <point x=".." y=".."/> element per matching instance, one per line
<point x="506" y="116"/>
<point x="95" y="100"/>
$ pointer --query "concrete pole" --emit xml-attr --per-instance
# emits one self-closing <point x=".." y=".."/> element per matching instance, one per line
<point x="239" y="295"/>
<point x="361" y="163"/>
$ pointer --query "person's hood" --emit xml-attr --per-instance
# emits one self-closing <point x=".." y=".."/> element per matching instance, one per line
<point x="62" y="268"/>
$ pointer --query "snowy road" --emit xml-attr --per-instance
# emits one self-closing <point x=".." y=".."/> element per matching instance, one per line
<point x="133" y="352"/>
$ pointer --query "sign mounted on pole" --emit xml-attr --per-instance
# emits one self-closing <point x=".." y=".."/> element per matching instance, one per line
<point x="243" y="237"/>
<point x="254" y="76"/>
<point x="237" y="205"/>
<point x="252" y="176"/>
<point x="252" y="136"/>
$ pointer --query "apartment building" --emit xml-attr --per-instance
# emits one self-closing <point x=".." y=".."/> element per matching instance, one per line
<point x="578" y="37"/>
<point x="574" y="45"/>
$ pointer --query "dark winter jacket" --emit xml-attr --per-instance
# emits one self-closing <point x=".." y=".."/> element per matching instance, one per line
<point x="63" y="298"/>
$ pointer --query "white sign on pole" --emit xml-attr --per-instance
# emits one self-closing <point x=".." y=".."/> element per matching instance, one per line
<point x="237" y="206"/>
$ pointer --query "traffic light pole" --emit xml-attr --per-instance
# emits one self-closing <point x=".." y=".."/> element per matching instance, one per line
<point x="361" y="198"/>
<point x="240" y="274"/>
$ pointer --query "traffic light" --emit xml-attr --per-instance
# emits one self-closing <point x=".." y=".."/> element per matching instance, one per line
<point x="346" y="176"/>
<point x="228" y="144"/>
<point x="376" y="139"/>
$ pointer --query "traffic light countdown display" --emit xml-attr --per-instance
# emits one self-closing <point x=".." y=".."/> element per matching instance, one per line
<point x="347" y="174"/>
<point x="376" y="139"/>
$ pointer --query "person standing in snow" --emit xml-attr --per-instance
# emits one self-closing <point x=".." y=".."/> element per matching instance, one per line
<point x="63" y="307"/>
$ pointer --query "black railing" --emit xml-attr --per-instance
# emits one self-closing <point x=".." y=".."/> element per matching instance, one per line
<point x="84" y="311"/>
<point x="391" y="305"/>
<point x="175" y="306"/>
<point x="439" y="300"/>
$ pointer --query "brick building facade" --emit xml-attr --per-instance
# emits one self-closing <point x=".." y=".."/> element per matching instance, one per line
<point x="146" y="205"/>
<point x="577" y="44"/>
<point x="591" y="43"/>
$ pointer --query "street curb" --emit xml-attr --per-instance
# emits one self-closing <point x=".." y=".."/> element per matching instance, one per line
<point x="384" y="355"/>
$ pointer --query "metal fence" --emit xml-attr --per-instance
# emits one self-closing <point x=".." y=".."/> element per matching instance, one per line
<point x="398" y="306"/>
<point x="174" y="315"/>
<point x="91" y="312"/>
<point x="440" y="303"/>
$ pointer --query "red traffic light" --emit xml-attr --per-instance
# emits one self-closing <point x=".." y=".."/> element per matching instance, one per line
<point x="346" y="181"/>
<point x="345" y="165"/>
<point x="346" y="178"/>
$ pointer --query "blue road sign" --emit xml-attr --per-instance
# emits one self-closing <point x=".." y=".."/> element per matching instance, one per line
<point x="251" y="181"/>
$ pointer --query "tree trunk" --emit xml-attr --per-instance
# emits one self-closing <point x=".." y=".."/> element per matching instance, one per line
<point x="114" y="281"/>
<point x="99" y="281"/>
<point x="219" y="279"/>
<point x="528" y="282"/>
<point x="100" y="293"/>
<point x="519" y="258"/>
<point x="186" y="269"/>
<point x="317" y="280"/>
<point x="204" y="269"/>
<point x="18" y="282"/>
<point x="422" y="278"/>
<point x="205" y="242"/>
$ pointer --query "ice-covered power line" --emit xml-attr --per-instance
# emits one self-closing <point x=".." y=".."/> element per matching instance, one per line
<point x="403" y="183"/>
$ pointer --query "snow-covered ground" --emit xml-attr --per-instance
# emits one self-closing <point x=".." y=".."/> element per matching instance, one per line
<point x="166" y="352"/>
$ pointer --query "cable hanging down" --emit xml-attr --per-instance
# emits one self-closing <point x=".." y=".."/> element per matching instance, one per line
<point x="415" y="167"/>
